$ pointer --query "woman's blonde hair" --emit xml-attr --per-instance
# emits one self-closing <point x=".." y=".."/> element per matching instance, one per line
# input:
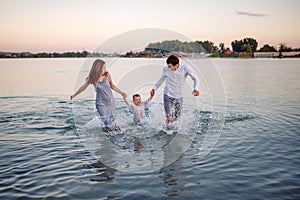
<point x="96" y="71"/>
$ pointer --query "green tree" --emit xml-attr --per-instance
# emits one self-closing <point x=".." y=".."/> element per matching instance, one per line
<point x="251" y="42"/>
<point x="239" y="45"/>
<point x="284" y="48"/>
<point x="222" y="47"/>
<point x="208" y="46"/>
<point x="267" y="48"/>
<point x="178" y="46"/>
<point x="247" y="48"/>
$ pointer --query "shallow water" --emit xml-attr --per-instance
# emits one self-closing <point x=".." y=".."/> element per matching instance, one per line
<point x="256" y="155"/>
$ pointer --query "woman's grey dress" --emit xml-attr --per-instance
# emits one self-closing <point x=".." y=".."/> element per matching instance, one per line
<point x="105" y="102"/>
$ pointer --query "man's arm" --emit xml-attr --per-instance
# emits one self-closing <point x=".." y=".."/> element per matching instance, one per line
<point x="159" y="82"/>
<point x="195" y="79"/>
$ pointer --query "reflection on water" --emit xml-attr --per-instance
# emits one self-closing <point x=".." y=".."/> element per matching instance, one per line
<point x="172" y="178"/>
<point x="138" y="148"/>
<point x="104" y="174"/>
<point x="256" y="156"/>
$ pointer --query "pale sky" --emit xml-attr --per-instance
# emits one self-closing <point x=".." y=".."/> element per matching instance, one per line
<point x="75" y="25"/>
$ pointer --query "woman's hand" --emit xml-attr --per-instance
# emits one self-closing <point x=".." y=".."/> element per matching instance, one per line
<point x="124" y="95"/>
<point x="81" y="89"/>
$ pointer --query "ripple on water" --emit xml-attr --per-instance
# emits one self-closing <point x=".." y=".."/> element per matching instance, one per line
<point x="42" y="158"/>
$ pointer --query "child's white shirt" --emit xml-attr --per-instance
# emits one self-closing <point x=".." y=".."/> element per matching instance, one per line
<point x="139" y="111"/>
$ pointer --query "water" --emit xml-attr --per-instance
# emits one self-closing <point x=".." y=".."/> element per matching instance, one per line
<point x="46" y="155"/>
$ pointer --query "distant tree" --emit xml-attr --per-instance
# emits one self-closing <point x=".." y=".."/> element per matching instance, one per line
<point x="247" y="48"/>
<point x="84" y="54"/>
<point x="81" y="54"/>
<point x="267" y="48"/>
<point x="244" y="44"/>
<point x="296" y="49"/>
<point x="57" y="55"/>
<point x="237" y="45"/>
<point x="177" y="46"/>
<point x="222" y="47"/>
<point x="129" y="54"/>
<point x="283" y="48"/>
<point x="208" y="46"/>
<point x="251" y="42"/>
<point x="42" y="55"/>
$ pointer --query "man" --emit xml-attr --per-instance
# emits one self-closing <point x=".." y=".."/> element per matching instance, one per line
<point x="175" y="74"/>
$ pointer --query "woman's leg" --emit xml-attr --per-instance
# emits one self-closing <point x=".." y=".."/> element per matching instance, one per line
<point x="106" y="115"/>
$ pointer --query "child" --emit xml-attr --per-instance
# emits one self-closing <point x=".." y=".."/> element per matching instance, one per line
<point x="138" y="108"/>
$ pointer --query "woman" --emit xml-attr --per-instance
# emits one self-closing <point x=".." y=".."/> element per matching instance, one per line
<point x="103" y="84"/>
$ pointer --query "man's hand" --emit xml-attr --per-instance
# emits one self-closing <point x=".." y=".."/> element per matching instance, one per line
<point x="196" y="93"/>
<point x="152" y="93"/>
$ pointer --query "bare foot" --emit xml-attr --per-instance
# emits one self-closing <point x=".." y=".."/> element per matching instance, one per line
<point x="169" y="119"/>
<point x="109" y="128"/>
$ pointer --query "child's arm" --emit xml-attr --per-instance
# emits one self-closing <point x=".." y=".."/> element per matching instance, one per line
<point x="151" y="96"/>
<point x="148" y="100"/>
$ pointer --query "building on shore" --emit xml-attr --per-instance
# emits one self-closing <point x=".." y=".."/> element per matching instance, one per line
<point x="291" y="54"/>
<point x="265" y="54"/>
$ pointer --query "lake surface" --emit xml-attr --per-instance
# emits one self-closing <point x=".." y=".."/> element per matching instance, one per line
<point x="240" y="139"/>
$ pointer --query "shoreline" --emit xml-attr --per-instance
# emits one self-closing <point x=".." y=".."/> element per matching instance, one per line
<point x="17" y="58"/>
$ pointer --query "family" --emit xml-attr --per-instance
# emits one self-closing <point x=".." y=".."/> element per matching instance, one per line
<point x="174" y="74"/>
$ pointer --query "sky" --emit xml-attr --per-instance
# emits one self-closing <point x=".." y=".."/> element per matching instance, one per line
<point x="77" y="25"/>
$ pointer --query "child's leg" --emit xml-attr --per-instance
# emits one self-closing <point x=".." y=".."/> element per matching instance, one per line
<point x="144" y="121"/>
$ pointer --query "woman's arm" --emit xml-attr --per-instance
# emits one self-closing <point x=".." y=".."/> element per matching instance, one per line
<point x="81" y="89"/>
<point x="125" y="100"/>
<point x="115" y="88"/>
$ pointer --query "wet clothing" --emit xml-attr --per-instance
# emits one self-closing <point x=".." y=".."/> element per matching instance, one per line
<point x="173" y="106"/>
<point x="139" y="111"/>
<point x="173" y="91"/>
<point x="175" y="80"/>
<point x="105" y="102"/>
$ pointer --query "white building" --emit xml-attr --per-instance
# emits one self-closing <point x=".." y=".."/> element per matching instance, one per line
<point x="266" y="54"/>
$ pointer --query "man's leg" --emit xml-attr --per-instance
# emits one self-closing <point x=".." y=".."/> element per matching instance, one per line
<point x="177" y="108"/>
<point x="173" y="108"/>
<point x="168" y="108"/>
